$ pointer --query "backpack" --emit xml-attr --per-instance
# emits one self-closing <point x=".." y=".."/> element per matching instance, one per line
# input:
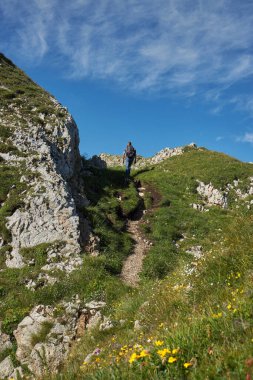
<point x="130" y="151"/>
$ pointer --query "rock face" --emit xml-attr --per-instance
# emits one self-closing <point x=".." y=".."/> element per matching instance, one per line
<point x="46" y="138"/>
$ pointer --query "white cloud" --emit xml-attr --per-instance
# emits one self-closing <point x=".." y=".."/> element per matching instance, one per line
<point x="169" y="47"/>
<point x="248" y="137"/>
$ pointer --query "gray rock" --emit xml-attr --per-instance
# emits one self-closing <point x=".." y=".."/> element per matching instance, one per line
<point x="5" y="342"/>
<point x="50" y="205"/>
<point x="211" y="195"/>
<point x="96" y="305"/>
<point x="95" y="320"/>
<point x="110" y="160"/>
<point x="197" y="206"/>
<point x="196" y="251"/>
<point x="107" y="324"/>
<point x="6" y="368"/>
<point x="17" y="373"/>
<point x="47" y="353"/>
<point x="28" y="327"/>
<point x="14" y="259"/>
<point x="137" y="325"/>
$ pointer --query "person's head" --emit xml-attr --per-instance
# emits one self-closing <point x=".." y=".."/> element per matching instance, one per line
<point x="129" y="143"/>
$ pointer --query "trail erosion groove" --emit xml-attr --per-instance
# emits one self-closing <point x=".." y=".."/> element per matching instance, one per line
<point x="133" y="264"/>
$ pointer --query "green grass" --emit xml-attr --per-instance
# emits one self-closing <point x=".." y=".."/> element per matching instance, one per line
<point x="41" y="336"/>
<point x="107" y="214"/>
<point x="18" y="90"/>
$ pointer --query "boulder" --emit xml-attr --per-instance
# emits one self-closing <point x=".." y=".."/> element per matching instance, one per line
<point x="28" y="327"/>
<point x="47" y="357"/>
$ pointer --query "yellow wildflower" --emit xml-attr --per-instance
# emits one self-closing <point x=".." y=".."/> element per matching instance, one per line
<point x="161" y="325"/>
<point x="187" y="365"/>
<point x="218" y="315"/>
<point x="229" y="307"/>
<point x="172" y="359"/>
<point x="175" y="351"/>
<point x="133" y="357"/>
<point x="163" y="353"/>
<point x="143" y="353"/>
<point x="159" y="343"/>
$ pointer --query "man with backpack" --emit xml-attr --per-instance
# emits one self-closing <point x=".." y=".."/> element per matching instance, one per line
<point x="129" y="156"/>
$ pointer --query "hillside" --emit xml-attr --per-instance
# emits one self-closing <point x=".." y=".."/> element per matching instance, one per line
<point x="191" y="315"/>
<point x="103" y="279"/>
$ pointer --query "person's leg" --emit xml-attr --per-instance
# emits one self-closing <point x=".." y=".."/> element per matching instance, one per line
<point x="127" y="167"/>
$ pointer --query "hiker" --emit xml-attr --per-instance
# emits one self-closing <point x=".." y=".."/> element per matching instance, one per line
<point x="129" y="156"/>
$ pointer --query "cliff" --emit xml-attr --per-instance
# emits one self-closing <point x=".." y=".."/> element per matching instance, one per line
<point x="39" y="146"/>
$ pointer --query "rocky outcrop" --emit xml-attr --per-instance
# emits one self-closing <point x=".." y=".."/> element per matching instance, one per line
<point x="110" y="160"/>
<point x="47" y="140"/>
<point x="44" y="339"/>
<point x="211" y="195"/>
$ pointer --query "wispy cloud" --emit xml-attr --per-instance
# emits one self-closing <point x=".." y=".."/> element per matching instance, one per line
<point x="172" y="47"/>
<point x="248" y="137"/>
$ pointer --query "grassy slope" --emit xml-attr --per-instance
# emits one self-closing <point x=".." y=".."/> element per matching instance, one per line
<point x="207" y="315"/>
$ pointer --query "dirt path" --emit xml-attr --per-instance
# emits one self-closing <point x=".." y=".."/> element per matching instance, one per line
<point x="133" y="264"/>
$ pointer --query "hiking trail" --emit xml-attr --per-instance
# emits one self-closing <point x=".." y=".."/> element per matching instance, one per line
<point x="133" y="264"/>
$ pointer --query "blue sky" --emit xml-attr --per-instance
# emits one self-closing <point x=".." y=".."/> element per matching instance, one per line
<point x="160" y="73"/>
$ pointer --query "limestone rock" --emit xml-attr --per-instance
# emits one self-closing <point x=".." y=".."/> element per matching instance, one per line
<point x="17" y="374"/>
<point x="14" y="259"/>
<point x="6" y="368"/>
<point x="107" y="324"/>
<point x="198" y="207"/>
<point x="211" y="195"/>
<point x="94" y="320"/>
<point x="49" y="353"/>
<point x="196" y="251"/>
<point x="51" y="163"/>
<point x="28" y="327"/>
<point x="5" y="342"/>
<point x="109" y="160"/>
<point x="95" y="305"/>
